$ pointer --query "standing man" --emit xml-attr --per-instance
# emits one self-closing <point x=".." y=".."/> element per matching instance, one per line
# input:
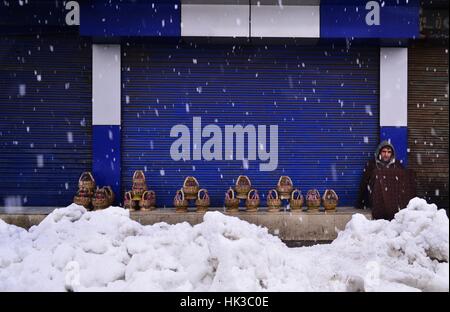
<point x="384" y="158"/>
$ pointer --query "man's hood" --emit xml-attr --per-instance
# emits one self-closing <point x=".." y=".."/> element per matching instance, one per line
<point x="380" y="146"/>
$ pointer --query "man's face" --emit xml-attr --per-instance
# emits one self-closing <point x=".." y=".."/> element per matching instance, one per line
<point x="386" y="154"/>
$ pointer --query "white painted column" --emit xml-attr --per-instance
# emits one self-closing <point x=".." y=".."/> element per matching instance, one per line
<point x="394" y="87"/>
<point x="106" y="84"/>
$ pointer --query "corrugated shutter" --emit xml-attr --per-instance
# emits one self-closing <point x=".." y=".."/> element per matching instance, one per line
<point x="323" y="99"/>
<point x="428" y="120"/>
<point x="45" y="118"/>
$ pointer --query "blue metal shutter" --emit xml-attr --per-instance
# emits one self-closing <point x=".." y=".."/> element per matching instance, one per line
<point x="324" y="100"/>
<point x="45" y="118"/>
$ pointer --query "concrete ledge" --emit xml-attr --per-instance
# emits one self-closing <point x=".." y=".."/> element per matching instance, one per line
<point x="287" y="225"/>
<point x="23" y="220"/>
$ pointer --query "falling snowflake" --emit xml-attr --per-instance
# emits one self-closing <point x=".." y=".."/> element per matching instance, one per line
<point x="22" y="89"/>
<point x="40" y="161"/>
<point x="70" y="137"/>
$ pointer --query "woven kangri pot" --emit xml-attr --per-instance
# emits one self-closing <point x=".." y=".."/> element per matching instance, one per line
<point x="231" y="202"/>
<point x="273" y="201"/>
<point x="285" y="187"/>
<point x="129" y="202"/>
<point x="202" y="202"/>
<point x="296" y="200"/>
<point x="82" y="198"/>
<point x="148" y="200"/>
<point x="139" y="185"/>
<point x="252" y="202"/>
<point x="243" y="186"/>
<point x="330" y="199"/>
<point x="190" y="188"/>
<point x="313" y="199"/>
<point x="180" y="202"/>
<point x="103" y="198"/>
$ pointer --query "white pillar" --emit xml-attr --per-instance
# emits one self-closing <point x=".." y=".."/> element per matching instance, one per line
<point x="106" y="84"/>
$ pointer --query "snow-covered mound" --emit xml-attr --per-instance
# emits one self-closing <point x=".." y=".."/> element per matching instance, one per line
<point x="77" y="250"/>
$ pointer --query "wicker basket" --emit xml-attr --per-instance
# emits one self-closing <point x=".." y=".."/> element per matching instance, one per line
<point x="231" y="202"/>
<point x="190" y="188"/>
<point x="139" y="185"/>
<point x="296" y="200"/>
<point x="243" y="186"/>
<point x="148" y="200"/>
<point x="285" y="187"/>
<point x="129" y="202"/>
<point x="273" y="201"/>
<point x="180" y="202"/>
<point x="83" y="199"/>
<point x="252" y="201"/>
<point x="86" y="182"/>
<point x="202" y="202"/>
<point x="330" y="199"/>
<point x="313" y="199"/>
<point x="102" y="198"/>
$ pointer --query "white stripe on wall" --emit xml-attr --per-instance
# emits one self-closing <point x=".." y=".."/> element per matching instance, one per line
<point x="394" y="87"/>
<point x="285" y="21"/>
<point x="215" y="20"/>
<point x="106" y="84"/>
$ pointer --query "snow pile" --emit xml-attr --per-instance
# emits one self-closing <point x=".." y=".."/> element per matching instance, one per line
<point x="77" y="250"/>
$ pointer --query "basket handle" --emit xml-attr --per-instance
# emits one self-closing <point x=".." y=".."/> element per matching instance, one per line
<point x="294" y="192"/>
<point x="271" y="192"/>
<point x="243" y="177"/>
<point x="86" y="173"/>
<point x="138" y="171"/>
<point x="287" y="177"/>
<point x="230" y="190"/>
<point x="252" y="194"/>
<point x="190" y="177"/>
<point x="204" y="192"/>
<point x="179" y="193"/>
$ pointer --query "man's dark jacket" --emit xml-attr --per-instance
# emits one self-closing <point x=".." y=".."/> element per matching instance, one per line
<point x="364" y="189"/>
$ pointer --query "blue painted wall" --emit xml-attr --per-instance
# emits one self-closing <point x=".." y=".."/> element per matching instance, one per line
<point x="131" y="18"/>
<point x="106" y="162"/>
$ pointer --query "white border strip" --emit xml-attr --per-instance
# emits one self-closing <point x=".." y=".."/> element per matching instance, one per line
<point x="285" y="21"/>
<point x="106" y="88"/>
<point x="394" y="87"/>
<point x="215" y="20"/>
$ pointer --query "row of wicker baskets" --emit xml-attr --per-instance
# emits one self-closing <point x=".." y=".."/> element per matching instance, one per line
<point x="284" y="190"/>
<point x="141" y="198"/>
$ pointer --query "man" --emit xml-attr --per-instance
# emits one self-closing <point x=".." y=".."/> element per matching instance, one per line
<point x="384" y="158"/>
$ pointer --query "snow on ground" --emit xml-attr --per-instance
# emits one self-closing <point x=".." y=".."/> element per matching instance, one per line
<point x="76" y="250"/>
